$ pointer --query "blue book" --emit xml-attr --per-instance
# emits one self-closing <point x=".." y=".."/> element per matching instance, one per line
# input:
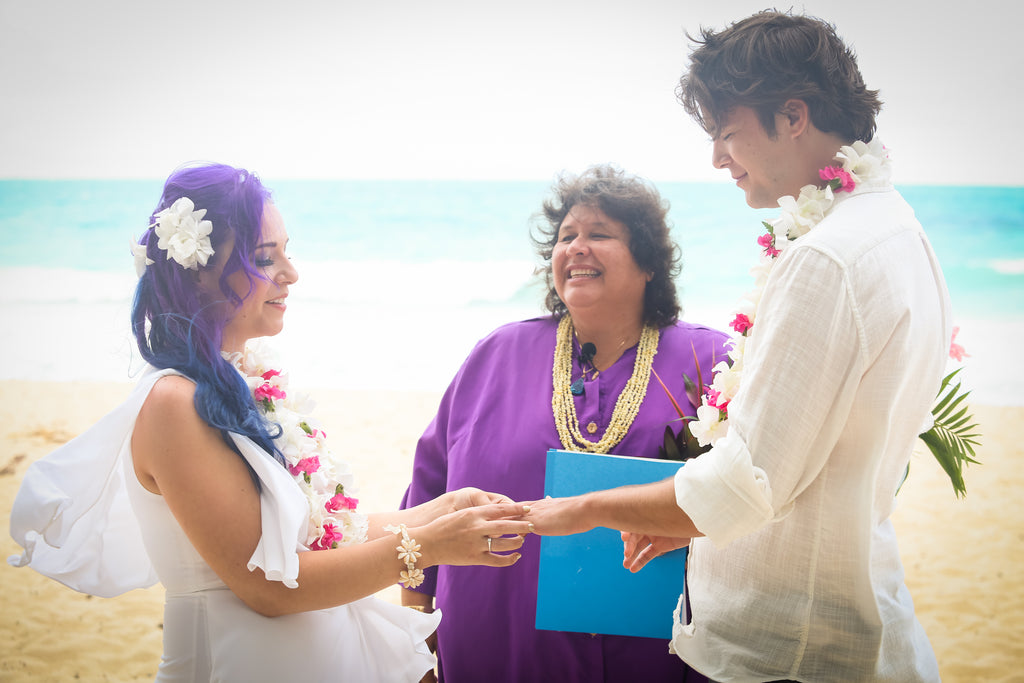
<point x="582" y="585"/>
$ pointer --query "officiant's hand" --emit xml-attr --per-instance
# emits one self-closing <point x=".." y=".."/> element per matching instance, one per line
<point x="471" y="497"/>
<point x="639" y="549"/>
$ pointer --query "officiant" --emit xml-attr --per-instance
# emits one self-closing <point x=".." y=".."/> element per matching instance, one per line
<point x="579" y="378"/>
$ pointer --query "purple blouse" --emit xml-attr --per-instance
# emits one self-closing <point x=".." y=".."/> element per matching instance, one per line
<point x="493" y="430"/>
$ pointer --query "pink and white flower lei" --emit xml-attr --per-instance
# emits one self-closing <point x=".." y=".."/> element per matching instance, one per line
<point x="325" y="480"/>
<point x="861" y="165"/>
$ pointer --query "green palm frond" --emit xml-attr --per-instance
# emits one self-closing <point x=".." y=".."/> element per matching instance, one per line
<point x="954" y="435"/>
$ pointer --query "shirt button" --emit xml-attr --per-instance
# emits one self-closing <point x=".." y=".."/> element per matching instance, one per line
<point x="591" y="428"/>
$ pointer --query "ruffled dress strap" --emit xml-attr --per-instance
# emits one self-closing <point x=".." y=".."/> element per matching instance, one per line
<point x="284" y="515"/>
<point x="72" y="514"/>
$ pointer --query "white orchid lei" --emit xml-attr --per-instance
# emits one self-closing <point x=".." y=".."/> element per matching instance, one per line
<point x="182" y="233"/>
<point x="861" y="165"/>
<point x="324" y="479"/>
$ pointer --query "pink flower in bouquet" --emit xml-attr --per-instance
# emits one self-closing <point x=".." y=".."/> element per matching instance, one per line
<point x="741" y="323"/>
<point x="956" y="351"/>
<point x="330" y="538"/>
<point x="715" y="401"/>
<point x="341" y="501"/>
<point x="307" y="466"/>
<point x="767" y="241"/>
<point x="845" y="181"/>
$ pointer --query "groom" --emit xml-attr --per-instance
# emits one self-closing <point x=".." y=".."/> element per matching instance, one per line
<point x="794" y="572"/>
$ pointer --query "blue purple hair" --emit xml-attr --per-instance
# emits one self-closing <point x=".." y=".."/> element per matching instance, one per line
<point x="178" y="325"/>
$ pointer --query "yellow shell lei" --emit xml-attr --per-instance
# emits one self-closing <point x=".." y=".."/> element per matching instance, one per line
<point x="626" y="407"/>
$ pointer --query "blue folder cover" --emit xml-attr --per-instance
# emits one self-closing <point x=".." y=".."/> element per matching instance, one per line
<point x="582" y="585"/>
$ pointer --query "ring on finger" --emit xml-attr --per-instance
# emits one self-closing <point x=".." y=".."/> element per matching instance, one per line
<point x="489" y="540"/>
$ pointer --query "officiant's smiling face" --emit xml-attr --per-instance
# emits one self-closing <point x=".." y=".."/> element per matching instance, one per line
<point x="592" y="264"/>
<point x="261" y="313"/>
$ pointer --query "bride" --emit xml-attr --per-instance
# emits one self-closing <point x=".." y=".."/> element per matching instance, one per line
<point x="212" y="479"/>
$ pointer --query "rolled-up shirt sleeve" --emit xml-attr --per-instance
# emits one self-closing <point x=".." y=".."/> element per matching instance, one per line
<point x="732" y="473"/>
<point x="802" y="367"/>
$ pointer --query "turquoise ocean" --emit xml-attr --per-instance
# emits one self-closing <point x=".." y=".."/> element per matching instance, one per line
<point x="399" y="279"/>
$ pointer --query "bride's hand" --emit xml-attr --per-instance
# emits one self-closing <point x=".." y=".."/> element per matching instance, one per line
<point x="481" y="535"/>
<point x="639" y="549"/>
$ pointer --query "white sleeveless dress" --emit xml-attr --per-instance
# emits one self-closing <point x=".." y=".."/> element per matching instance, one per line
<point x="84" y="520"/>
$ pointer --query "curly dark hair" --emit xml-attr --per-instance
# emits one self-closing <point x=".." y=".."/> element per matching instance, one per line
<point x="771" y="57"/>
<point x="636" y="204"/>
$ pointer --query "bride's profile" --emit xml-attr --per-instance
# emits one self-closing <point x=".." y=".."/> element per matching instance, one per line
<point x="213" y="479"/>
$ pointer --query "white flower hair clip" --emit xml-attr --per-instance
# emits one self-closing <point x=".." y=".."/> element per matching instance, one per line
<point x="183" y="234"/>
<point x="141" y="259"/>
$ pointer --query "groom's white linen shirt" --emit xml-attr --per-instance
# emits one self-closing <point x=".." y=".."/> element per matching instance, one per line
<point x="798" y="575"/>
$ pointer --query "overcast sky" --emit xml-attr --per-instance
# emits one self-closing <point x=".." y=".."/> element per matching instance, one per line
<point x="453" y="89"/>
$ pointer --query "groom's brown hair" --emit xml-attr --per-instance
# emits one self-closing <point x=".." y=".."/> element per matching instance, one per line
<point x="770" y="57"/>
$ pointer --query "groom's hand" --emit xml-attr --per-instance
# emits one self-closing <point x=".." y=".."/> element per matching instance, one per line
<point x="639" y="549"/>
<point x="559" y="516"/>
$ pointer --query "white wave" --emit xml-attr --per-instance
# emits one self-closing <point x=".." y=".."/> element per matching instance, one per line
<point x="35" y="285"/>
<point x="352" y="324"/>
<point x="1007" y="266"/>
<point x="378" y="282"/>
<point x="403" y="283"/>
<point x="361" y="325"/>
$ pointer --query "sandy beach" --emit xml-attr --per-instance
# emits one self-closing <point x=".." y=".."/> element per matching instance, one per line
<point x="963" y="557"/>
